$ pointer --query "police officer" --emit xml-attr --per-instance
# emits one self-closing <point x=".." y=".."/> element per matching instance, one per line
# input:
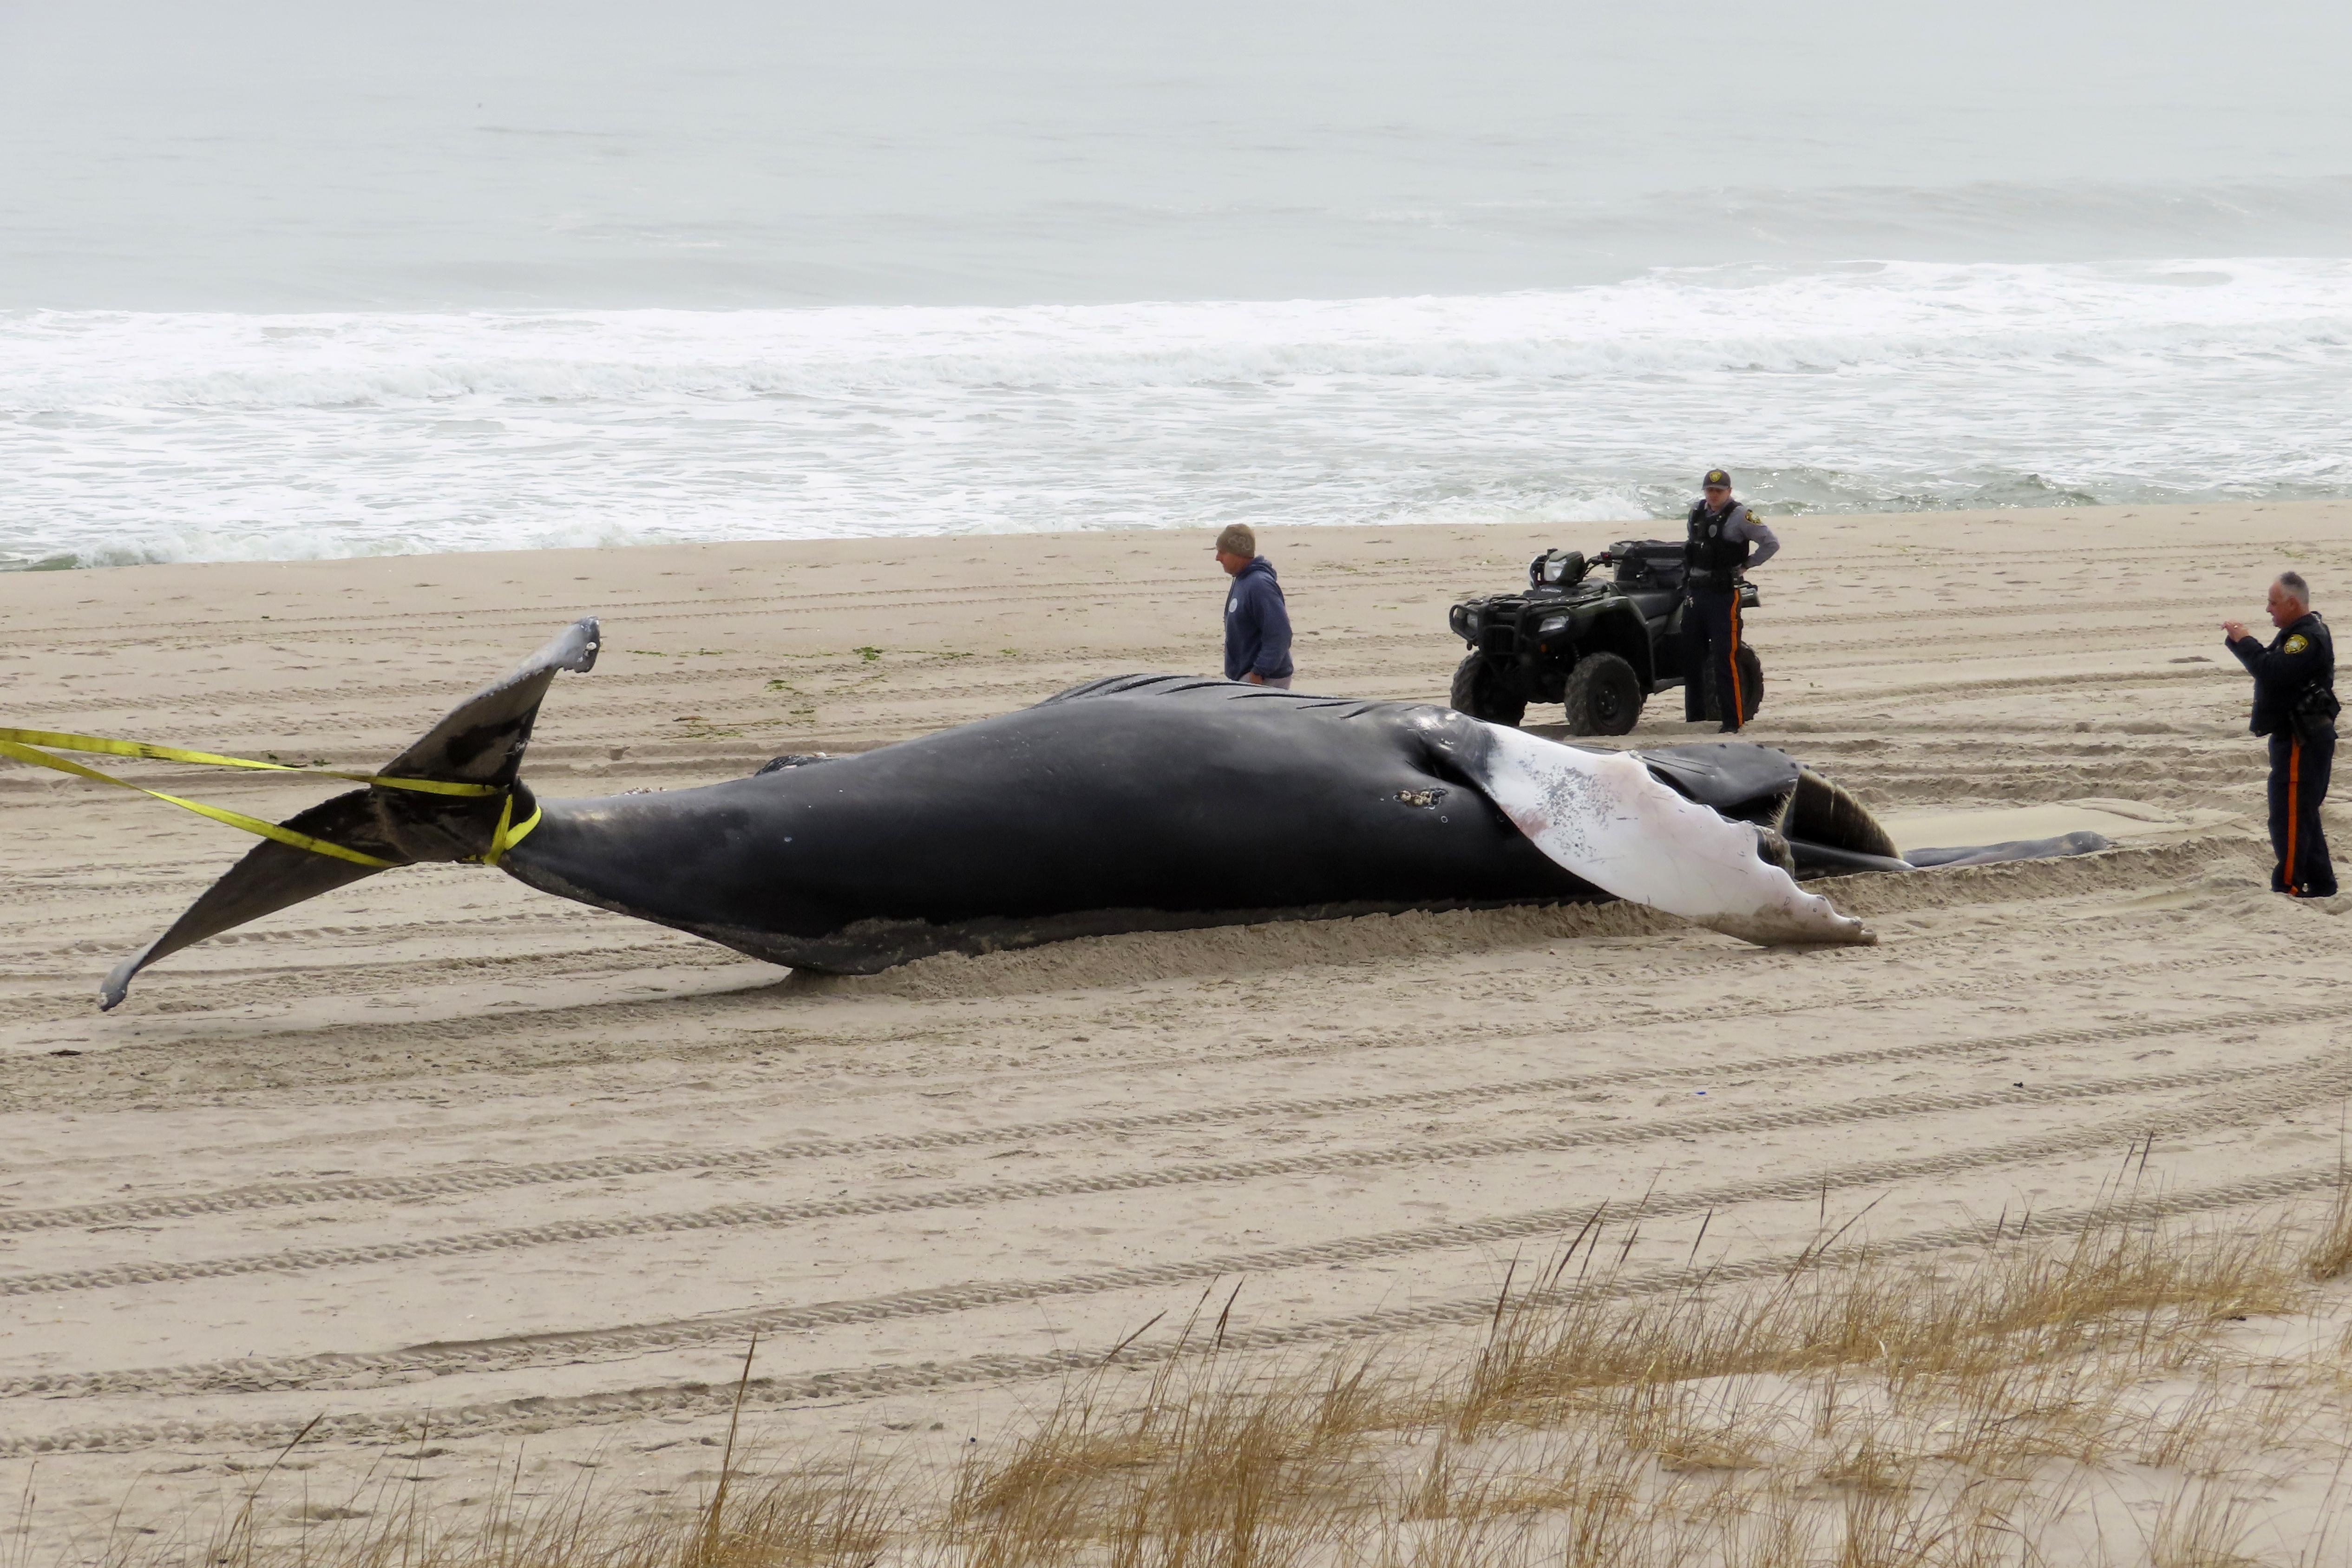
<point x="1722" y="534"/>
<point x="2294" y="705"/>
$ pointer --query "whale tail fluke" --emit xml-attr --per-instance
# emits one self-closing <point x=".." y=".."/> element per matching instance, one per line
<point x="481" y="740"/>
<point x="271" y="878"/>
<point x="475" y="751"/>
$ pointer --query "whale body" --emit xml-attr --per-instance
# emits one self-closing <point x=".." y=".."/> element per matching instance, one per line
<point x="1147" y="802"/>
<point x="1155" y="801"/>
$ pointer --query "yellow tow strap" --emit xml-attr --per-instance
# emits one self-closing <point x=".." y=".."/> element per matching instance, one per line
<point x="21" y="744"/>
<point x="503" y="838"/>
<point x="174" y="755"/>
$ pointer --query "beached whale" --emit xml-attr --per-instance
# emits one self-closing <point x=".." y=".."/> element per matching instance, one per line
<point x="1137" y="803"/>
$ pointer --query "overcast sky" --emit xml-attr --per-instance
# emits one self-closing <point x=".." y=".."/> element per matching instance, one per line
<point x="312" y="152"/>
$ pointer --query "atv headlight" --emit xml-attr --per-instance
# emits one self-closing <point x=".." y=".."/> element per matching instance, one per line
<point x="1552" y="624"/>
<point x="1459" y="619"/>
<point x="1560" y="567"/>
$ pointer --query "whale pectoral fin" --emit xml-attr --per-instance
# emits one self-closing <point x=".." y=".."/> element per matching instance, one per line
<point x="271" y="878"/>
<point x="1602" y="817"/>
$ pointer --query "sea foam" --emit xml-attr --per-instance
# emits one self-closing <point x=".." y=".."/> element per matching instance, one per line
<point x="136" y="437"/>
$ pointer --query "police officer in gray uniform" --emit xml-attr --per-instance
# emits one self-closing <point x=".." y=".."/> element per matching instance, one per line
<point x="1724" y="541"/>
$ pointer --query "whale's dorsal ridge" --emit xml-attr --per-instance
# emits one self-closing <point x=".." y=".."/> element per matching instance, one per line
<point x="1139" y="684"/>
<point x="1212" y="689"/>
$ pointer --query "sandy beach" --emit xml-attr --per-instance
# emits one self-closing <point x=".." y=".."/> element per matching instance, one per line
<point x="482" y="1177"/>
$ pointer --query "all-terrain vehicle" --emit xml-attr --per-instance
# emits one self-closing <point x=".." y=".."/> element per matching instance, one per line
<point x="1599" y="647"/>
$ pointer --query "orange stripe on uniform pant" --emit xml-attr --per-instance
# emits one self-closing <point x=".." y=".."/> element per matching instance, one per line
<point x="1738" y="717"/>
<point x="2293" y="811"/>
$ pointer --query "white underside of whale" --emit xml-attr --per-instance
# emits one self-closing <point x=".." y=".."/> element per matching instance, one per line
<point x="1605" y="817"/>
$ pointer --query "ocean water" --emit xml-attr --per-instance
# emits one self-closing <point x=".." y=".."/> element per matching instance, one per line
<point x="137" y="436"/>
<point x="284" y="279"/>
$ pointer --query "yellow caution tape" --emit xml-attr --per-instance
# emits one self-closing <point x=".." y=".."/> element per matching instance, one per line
<point x="23" y="753"/>
<point x="21" y="744"/>
<point x="61" y="743"/>
<point x="502" y="838"/>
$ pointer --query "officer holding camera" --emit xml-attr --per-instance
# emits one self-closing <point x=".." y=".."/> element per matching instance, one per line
<point x="2294" y="705"/>
<point x="1722" y="534"/>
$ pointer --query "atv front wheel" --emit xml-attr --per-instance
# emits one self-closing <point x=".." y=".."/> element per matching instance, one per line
<point x="1604" y="696"/>
<point x="1477" y="693"/>
<point x="1751" y="687"/>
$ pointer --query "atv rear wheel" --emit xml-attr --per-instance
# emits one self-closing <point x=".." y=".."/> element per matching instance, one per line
<point x="1751" y="687"/>
<point x="1477" y="693"/>
<point x="1604" y="696"/>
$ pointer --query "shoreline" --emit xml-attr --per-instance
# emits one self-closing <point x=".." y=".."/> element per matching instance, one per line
<point x="1658" y="526"/>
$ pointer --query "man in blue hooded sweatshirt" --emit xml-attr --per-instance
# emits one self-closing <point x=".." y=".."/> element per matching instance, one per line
<point x="1257" y="622"/>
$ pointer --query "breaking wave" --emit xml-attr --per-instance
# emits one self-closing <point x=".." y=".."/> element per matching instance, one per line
<point x="134" y="437"/>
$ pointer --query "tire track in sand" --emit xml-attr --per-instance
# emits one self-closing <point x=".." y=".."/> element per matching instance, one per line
<point x="472" y="1180"/>
<point x="246" y="1374"/>
<point x="983" y="1194"/>
<point x="696" y="1398"/>
<point x="2015" y="683"/>
<point x="1080" y="1065"/>
<point x="408" y="1046"/>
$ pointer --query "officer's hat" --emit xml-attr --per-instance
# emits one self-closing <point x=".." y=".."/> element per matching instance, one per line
<point x="1715" y="477"/>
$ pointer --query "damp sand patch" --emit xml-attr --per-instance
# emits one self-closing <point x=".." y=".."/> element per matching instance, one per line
<point x="2124" y="821"/>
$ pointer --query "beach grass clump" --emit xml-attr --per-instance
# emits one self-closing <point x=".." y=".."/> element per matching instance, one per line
<point x="2329" y="1254"/>
<point x="818" y="1514"/>
<point x="2076" y="1397"/>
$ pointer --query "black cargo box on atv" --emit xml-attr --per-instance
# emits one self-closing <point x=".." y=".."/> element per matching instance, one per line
<point x="1647" y="564"/>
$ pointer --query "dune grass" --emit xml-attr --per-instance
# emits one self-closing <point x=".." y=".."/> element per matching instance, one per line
<point x="2074" y="1399"/>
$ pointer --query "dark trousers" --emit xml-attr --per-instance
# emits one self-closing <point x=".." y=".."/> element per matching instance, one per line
<point x="1711" y="642"/>
<point x="2299" y="770"/>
